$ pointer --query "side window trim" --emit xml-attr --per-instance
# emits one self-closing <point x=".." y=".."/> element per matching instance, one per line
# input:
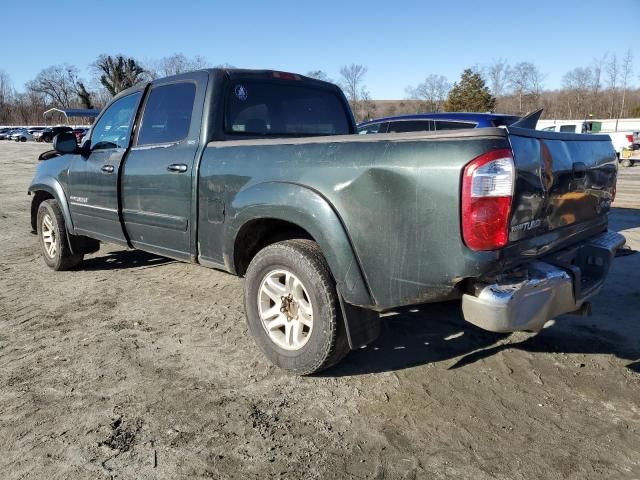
<point x="142" y="109"/>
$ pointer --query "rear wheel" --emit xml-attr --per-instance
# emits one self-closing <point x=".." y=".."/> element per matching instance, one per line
<point x="52" y="234"/>
<point x="292" y="307"/>
<point x="46" y="138"/>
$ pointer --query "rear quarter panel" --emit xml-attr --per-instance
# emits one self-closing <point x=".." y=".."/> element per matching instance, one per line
<point x="397" y="196"/>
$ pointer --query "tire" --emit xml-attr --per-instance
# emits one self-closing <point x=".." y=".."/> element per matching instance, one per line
<point x="322" y="342"/>
<point x="626" y="162"/>
<point x="52" y="235"/>
<point x="46" y="138"/>
<point x="23" y="139"/>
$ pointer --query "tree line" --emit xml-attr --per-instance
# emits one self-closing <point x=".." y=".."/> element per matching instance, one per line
<point x="61" y="86"/>
<point x="603" y="89"/>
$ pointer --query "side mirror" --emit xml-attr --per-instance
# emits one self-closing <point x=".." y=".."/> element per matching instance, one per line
<point x="65" y="142"/>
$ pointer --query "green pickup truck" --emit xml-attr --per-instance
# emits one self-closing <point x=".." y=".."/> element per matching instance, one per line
<point x="262" y="174"/>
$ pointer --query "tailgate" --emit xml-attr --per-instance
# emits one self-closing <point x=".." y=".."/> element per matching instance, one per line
<point x="564" y="182"/>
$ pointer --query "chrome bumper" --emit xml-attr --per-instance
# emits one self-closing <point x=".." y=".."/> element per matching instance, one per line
<point x="528" y="297"/>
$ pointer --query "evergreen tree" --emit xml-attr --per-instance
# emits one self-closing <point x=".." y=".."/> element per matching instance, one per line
<point x="470" y="94"/>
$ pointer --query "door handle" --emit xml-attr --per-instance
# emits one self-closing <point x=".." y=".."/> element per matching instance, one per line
<point x="177" y="167"/>
<point x="107" y="168"/>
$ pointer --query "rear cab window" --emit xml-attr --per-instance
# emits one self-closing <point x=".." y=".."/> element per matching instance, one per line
<point x="271" y="108"/>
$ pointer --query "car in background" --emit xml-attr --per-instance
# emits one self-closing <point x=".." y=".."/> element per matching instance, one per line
<point x="621" y="140"/>
<point x="21" y="135"/>
<point x="7" y="135"/>
<point x="431" y="122"/>
<point x="48" y="133"/>
<point x="33" y="130"/>
<point x="80" y="132"/>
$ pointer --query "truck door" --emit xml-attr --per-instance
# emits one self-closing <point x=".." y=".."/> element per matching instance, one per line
<point x="93" y="179"/>
<point x="157" y="176"/>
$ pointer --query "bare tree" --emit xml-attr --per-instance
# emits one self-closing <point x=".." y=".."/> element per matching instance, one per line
<point x="613" y="71"/>
<point x="5" y="87"/>
<point x="498" y="74"/>
<point x="352" y="83"/>
<point x="526" y="82"/>
<point x="596" y="81"/>
<point x="319" y="75"/>
<point x="625" y="73"/>
<point x="58" y="84"/>
<point x="577" y="84"/>
<point x="174" y="65"/>
<point x="432" y="92"/>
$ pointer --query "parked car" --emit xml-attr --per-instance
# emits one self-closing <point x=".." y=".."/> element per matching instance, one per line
<point x="49" y="133"/>
<point x="21" y="135"/>
<point x="80" y="133"/>
<point x="261" y="174"/>
<point x="435" y="121"/>
<point x="5" y="133"/>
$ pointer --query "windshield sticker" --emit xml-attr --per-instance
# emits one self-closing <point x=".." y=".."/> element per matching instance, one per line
<point x="241" y="92"/>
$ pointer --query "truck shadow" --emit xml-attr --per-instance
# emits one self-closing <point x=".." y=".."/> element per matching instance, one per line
<point x="624" y="218"/>
<point x="437" y="333"/>
<point x="123" y="259"/>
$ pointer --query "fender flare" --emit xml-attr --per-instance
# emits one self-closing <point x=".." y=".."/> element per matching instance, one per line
<point x="308" y="209"/>
<point x="53" y="187"/>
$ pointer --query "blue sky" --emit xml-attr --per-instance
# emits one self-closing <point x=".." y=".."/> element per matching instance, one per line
<point x="400" y="42"/>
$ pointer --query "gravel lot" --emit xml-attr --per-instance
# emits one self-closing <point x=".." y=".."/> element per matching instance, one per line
<point x="135" y="366"/>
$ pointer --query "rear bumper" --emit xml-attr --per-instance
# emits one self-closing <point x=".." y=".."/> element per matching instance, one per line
<point x="527" y="297"/>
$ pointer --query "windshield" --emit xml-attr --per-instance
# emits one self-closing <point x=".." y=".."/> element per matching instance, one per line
<point x="267" y="108"/>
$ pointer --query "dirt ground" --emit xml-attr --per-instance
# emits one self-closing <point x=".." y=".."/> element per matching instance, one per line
<point x="138" y="367"/>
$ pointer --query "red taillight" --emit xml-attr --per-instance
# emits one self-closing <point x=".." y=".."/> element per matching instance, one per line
<point x="487" y="191"/>
<point x="630" y="138"/>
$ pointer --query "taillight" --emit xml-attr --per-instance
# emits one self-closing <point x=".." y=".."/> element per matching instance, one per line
<point x="629" y="138"/>
<point x="487" y="192"/>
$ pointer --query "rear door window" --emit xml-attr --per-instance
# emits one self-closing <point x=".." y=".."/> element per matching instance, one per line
<point x="270" y="108"/>
<point x="167" y="114"/>
<point x="568" y="128"/>
<point x="410" y="126"/>
<point x="451" y="125"/>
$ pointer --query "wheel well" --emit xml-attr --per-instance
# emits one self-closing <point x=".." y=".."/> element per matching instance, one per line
<point x="38" y="197"/>
<point x="258" y="234"/>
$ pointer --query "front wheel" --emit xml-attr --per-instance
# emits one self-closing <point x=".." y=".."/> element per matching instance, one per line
<point x="53" y="237"/>
<point x="626" y="162"/>
<point x="292" y="307"/>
